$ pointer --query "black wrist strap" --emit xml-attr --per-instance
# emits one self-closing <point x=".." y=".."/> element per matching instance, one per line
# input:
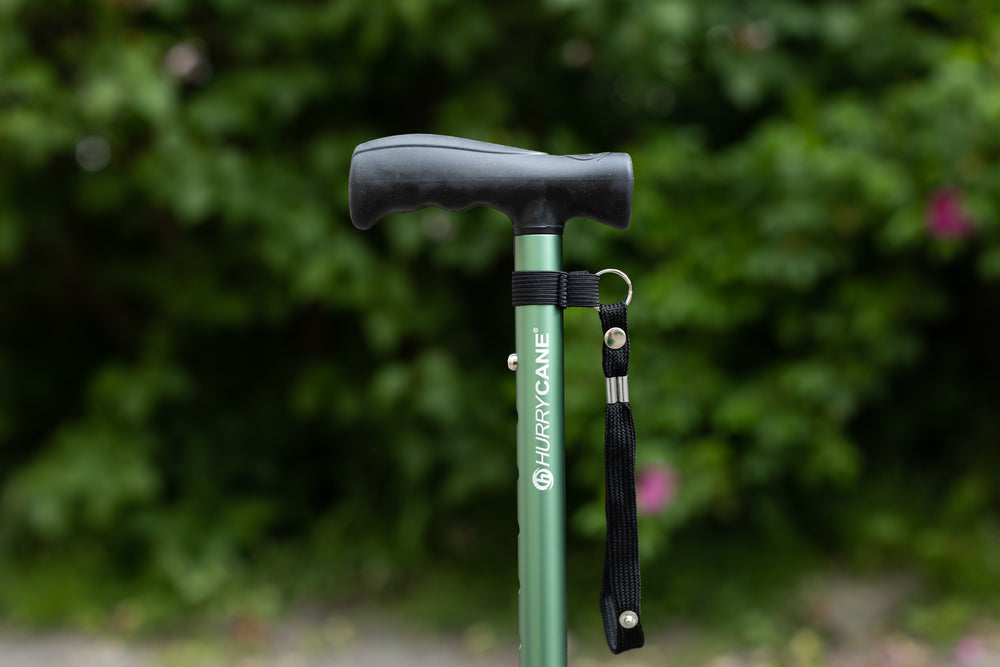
<point x="620" y="599"/>
<point x="621" y="604"/>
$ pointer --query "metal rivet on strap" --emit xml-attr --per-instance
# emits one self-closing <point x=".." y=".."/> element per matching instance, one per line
<point x="628" y="619"/>
<point x="615" y="338"/>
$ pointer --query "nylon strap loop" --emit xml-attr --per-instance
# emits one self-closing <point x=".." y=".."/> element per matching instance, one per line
<point x="621" y="583"/>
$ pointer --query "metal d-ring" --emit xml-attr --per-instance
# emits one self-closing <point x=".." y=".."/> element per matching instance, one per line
<point x="620" y="274"/>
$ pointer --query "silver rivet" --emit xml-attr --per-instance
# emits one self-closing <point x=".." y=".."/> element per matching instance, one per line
<point x="628" y="619"/>
<point x="512" y="362"/>
<point x="615" y="338"/>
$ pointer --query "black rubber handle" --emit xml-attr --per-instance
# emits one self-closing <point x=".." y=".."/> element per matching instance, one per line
<point x="538" y="192"/>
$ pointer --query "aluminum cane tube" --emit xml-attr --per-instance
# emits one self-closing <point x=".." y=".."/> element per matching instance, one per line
<point x="541" y="482"/>
<point x="539" y="192"/>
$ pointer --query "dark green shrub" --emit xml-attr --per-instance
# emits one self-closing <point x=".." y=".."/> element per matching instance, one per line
<point x="211" y="379"/>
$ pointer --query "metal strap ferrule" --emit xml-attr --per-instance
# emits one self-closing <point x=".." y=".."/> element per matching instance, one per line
<point x="616" y="389"/>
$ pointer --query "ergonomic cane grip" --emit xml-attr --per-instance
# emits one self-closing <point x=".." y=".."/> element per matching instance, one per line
<point x="538" y="192"/>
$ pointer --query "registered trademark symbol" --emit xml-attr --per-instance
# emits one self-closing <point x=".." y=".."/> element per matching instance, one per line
<point x="535" y="329"/>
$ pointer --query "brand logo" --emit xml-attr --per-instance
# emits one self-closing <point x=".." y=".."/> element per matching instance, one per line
<point x="542" y="478"/>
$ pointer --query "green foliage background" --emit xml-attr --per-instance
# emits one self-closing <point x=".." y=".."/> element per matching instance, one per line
<point x="215" y="391"/>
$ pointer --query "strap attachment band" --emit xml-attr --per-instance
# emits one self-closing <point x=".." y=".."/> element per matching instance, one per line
<point x="574" y="289"/>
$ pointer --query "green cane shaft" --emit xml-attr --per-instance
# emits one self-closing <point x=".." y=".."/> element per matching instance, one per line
<point x="541" y="484"/>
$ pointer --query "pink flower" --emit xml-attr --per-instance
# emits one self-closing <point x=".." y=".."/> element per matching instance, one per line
<point x="945" y="217"/>
<point x="970" y="650"/>
<point x="655" y="488"/>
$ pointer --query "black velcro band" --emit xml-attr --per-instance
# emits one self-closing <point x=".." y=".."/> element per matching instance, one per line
<point x="573" y="289"/>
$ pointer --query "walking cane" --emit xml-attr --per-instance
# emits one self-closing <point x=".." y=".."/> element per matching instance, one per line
<point x="539" y="193"/>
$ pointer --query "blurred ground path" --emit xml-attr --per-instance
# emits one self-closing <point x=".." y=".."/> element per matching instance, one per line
<point x="345" y="641"/>
<point x="334" y="642"/>
<point x="63" y="650"/>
